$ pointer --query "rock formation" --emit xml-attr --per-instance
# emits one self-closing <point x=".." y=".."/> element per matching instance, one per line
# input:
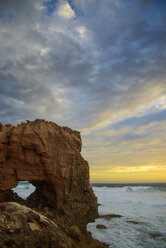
<point x="48" y="156"/>
<point x="22" y="227"/>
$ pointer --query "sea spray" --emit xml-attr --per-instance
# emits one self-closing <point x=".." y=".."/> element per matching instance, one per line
<point x="143" y="208"/>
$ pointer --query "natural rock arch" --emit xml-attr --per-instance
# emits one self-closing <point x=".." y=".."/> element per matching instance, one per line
<point x="48" y="156"/>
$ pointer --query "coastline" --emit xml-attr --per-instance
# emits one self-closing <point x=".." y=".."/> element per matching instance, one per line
<point x="132" y="215"/>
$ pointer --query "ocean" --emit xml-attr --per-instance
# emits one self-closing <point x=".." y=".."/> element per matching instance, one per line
<point x="24" y="189"/>
<point x="143" y="211"/>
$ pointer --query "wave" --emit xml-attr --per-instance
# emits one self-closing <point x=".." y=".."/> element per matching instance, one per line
<point x="24" y="185"/>
<point x="129" y="188"/>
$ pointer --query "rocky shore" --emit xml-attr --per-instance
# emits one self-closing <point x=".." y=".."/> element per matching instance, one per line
<point x="57" y="213"/>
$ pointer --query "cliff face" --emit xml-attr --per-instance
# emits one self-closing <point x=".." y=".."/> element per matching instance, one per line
<point x="57" y="213"/>
<point x="49" y="157"/>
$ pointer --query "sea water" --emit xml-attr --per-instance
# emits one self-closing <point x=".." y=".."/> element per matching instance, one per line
<point x="143" y="210"/>
<point x="24" y="189"/>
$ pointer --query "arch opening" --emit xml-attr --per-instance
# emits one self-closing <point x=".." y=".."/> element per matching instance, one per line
<point x="34" y="194"/>
<point x="24" y="189"/>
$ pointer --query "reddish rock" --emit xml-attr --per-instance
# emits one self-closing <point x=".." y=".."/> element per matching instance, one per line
<point x="48" y="156"/>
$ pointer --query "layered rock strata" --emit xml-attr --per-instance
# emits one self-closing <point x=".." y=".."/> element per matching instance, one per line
<point x="48" y="156"/>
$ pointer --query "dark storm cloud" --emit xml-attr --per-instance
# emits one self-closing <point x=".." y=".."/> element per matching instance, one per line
<point x="19" y="10"/>
<point x="49" y="68"/>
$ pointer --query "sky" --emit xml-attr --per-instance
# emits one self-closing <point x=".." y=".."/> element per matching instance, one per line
<point x="97" y="66"/>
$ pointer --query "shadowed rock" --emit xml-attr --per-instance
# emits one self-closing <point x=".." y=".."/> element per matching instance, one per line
<point x="134" y="222"/>
<point x="155" y="234"/>
<point x="23" y="227"/>
<point x="99" y="226"/>
<point x="110" y="216"/>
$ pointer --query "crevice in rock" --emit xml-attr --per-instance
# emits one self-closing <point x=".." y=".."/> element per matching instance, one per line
<point x="36" y="133"/>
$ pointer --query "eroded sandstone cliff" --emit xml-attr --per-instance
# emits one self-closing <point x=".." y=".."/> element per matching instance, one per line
<point x="48" y="156"/>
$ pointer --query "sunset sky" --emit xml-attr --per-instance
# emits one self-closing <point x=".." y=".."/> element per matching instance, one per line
<point x="98" y="66"/>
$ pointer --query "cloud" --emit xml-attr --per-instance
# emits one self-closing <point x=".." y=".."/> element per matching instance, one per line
<point x="65" y="10"/>
<point x="86" y="64"/>
<point x="112" y="71"/>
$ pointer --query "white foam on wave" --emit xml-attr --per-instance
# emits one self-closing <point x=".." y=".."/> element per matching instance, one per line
<point x="125" y="188"/>
<point x="142" y="204"/>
